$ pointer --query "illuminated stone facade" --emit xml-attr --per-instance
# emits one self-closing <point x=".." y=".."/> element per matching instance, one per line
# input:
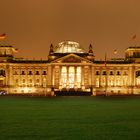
<point x="70" y="68"/>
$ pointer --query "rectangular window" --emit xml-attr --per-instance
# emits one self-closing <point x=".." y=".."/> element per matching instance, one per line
<point x="118" y="73"/>
<point x="111" y="73"/>
<point x="44" y="73"/>
<point x="30" y="73"/>
<point x="37" y="80"/>
<point x="78" y="73"/>
<point x="97" y="73"/>
<point x="16" y="81"/>
<point x="2" y="72"/>
<point x="15" y="73"/>
<point x="64" y="76"/>
<point x="125" y="73"/>
<point x="22" y="72"/>
<point x="71" y="76"/>
<point x="23" y="80"/>
<point x="104" y="73"/>
<point x="37" y="73"/>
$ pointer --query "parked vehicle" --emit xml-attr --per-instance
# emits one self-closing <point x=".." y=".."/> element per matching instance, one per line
<point x="3" y="92"/>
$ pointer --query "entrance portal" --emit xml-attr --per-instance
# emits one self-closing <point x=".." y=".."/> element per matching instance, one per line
<point x="71" y="77"/>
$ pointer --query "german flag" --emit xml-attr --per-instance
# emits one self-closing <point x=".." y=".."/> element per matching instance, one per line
<point x="115" y="51"/>
<point x="134" y="37"/>
<point x="105" y="59"/>
<point x="16" y="50"/>
<point x="2" y="36"/>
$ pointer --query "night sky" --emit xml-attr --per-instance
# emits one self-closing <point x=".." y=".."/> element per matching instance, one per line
<point x="32" y="25"/>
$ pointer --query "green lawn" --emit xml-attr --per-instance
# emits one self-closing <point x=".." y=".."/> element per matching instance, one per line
<point x="70" y="118"/>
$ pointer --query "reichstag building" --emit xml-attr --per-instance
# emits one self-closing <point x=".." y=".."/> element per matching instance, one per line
<point x="70" y="70"/>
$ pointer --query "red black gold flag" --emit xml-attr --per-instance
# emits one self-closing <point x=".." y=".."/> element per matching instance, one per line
<point x="2" y="36"/>
<point x="134" y="36"/>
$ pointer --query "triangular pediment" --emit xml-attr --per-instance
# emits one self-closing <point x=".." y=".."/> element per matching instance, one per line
<point x="71" y="58"/>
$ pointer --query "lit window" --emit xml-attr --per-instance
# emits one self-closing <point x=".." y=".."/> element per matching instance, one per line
<point x="125" y="73"/>
<point x="15" y="91"/>
<point x="15" y="73"/>
<point x="118" y="83"/>
<point x="78" y="73"/>
<point x="16" y="81"/>
<point x="138" y="81"/>
<point x="64" y="76"/>
<point x="23" y="80"/>
<point x="71" y="77"/>
<point x="37" y="80"/>
<point x="125" y="81"/>
<point x="97" y="82"/>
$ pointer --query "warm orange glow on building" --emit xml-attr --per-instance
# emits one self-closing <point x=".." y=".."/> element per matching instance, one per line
<point x="70" y="68"/>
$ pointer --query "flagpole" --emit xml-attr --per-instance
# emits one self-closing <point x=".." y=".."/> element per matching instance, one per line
<point x="134" y="37"/>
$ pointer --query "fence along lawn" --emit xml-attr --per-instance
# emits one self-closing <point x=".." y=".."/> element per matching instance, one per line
<point x="70" y="118"/>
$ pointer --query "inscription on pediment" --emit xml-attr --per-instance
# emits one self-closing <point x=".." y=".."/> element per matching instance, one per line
<point x="71" y="59"/>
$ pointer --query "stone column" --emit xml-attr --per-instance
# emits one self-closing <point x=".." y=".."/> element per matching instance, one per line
<point x="75" y="74"/>
<point x="49" y="80"/>
<point x="10" y="78"/>
<point x="131" y="75"/>
<point x="82" y="77"/>
<point x="67" y="83"/>
<point x="93" y="81"/>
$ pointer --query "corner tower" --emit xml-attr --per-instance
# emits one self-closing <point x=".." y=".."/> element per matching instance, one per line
<point x="6" y="51"/>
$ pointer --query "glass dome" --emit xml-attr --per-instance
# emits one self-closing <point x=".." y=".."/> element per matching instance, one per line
<point x="69" y="47"/>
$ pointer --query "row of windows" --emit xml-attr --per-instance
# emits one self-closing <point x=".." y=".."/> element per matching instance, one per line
<point x="136" y="54"/>
<point x="31" y="73"/>
<point x="111" y="73"/>
<point x="30" y="81"/>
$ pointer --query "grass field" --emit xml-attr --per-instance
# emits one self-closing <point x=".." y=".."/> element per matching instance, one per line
<point x="70" y="118"/>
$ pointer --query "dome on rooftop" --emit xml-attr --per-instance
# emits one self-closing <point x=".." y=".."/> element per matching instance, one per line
<point x="69" y="47"/>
